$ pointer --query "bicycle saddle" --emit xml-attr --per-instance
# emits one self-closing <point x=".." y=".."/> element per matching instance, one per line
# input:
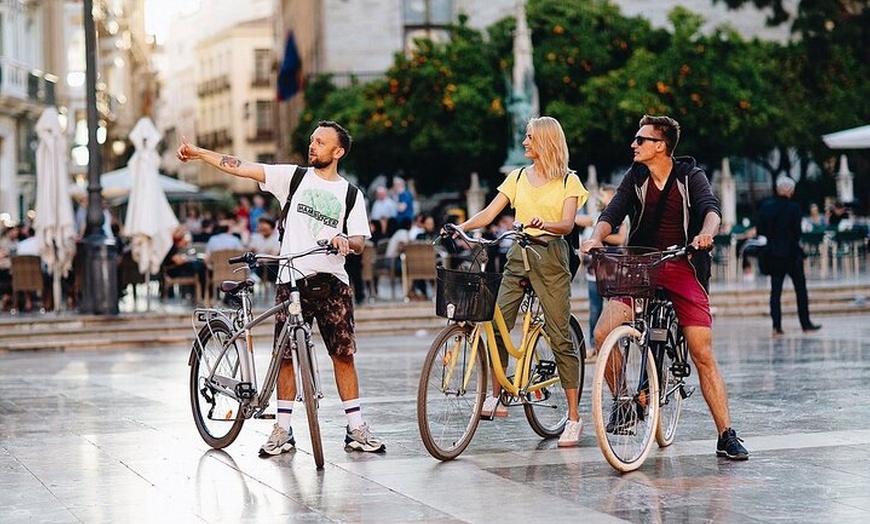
<point x="232" y="286"/>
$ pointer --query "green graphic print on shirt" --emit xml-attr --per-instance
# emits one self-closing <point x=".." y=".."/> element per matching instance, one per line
<point x="322" y="207"/>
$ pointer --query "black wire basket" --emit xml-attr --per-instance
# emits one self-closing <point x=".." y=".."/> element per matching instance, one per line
<point x="626" y="271"/>
<point x="464" y="295"/>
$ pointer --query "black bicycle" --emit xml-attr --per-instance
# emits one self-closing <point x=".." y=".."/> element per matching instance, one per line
<point x="640" y="377"/>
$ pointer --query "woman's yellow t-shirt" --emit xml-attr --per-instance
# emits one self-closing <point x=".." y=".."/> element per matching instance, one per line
<point x="545" y="202"/>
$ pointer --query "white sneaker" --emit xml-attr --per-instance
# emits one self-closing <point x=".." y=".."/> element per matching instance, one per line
<point x="362" y="439"/>
<point x="279" y="442"/>
<point x="493" y="408"/>
<point x="571" y="436"/>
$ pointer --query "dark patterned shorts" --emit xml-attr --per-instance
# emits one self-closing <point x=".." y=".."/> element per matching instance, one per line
<point x="328" y="300"/>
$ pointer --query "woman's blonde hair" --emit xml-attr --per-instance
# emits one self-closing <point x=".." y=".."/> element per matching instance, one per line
<point x="552" y="148"/>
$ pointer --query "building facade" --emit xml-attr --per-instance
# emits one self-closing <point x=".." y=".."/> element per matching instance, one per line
<point x="216" y="87"/>
<point x="200" y="99"/>
<point x="42" y="63"/>
<point x="28" y="78"/>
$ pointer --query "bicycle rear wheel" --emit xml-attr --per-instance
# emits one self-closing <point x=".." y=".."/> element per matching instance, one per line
<point x="304" y="349"/>
<point x="546" y="404"/>
<point x="451" y="392"/>
<point x="625" y="399"/>
<point x="218" y="417"/>
<point x="672" y="381"/>
<point x="578" y="340"/>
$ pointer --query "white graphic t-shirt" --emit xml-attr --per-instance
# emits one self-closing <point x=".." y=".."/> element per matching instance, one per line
<point x="316" y="213"/>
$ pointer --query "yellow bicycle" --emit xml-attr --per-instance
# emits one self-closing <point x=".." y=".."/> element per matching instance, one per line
<point x="453" y="382"/>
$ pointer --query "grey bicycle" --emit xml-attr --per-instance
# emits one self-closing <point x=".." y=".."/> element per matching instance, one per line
<point x="224" y="390"/>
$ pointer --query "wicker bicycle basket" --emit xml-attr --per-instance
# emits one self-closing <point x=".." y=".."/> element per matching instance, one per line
<point x="463" y="295"/>
<point x="626" y="271"/>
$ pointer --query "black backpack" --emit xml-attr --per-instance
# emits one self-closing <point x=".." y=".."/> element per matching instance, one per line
<point x="349" y="201"/>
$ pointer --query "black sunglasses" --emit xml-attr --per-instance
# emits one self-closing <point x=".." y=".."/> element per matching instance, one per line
<point x="641" y="139"/>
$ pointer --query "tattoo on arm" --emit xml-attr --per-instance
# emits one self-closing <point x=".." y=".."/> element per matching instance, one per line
<point x="230" y="161"/>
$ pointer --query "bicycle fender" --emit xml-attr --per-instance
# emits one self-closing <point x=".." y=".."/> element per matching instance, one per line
<point x="195" y="349"/>
<point x="619" y="332"/>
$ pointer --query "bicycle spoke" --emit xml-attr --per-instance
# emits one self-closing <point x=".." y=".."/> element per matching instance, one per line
<point x="450" y="393"/>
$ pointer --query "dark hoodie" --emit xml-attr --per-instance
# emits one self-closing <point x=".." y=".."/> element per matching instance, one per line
<point x="697" y="196"/>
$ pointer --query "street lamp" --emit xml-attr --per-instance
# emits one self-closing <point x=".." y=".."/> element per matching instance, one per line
<point x="100" y="289"/>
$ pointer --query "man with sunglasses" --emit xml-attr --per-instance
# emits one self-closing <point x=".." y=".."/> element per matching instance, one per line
<point x="669" y="202"/>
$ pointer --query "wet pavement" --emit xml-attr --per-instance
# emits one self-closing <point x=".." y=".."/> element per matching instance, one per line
<point x="108" y="437"/>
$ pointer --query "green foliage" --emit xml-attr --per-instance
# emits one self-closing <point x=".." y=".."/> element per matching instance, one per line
<point x="440" y="113"/>
<point x="436" y="117"/>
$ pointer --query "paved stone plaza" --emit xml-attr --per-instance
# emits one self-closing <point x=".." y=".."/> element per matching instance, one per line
<point x="104" y="437"/>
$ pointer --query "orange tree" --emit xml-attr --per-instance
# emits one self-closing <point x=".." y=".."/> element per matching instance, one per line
<point x="437" y="116"/>
<point x="716" y="85"/>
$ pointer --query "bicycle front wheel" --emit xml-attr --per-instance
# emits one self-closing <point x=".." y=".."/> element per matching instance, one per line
<point x="546" y="404"/>
<point x="218" y="416"/>
<point x="625" y="399"/>
<point x="304" y="349"/>
<point x="673" y="368"/>
<point x="451" y="392"/>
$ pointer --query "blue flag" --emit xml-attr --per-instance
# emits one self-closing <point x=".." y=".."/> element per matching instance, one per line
<point x="290" y="75"/>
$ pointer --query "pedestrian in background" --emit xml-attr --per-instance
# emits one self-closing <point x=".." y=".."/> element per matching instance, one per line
<point x="617" y="237"/>
<point x="779" y="219"/>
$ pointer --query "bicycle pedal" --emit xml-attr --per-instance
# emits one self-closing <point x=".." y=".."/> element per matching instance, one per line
<point x="686" y="392"/>
<point x="265" y="416"/>
<point x="245" y="390"/>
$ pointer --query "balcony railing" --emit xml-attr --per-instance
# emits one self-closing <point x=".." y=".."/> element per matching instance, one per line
<point x="215" y="139"/>
<point x="261" y="135"/>
<point x="20" y="82"/>
<point x="347" y="79"/>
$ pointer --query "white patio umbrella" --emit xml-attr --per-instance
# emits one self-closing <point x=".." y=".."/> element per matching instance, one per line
<point x="150" y="220"/>
<point x="855" y="138"/>
<point x="54" y="224"/>
<point x="728" y="194"/>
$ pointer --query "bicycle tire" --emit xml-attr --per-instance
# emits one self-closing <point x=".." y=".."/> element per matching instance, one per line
<point x="578" y="340"/>
<point x="626" y="445"/>
<point x="309" y="393"/>
<point x="451" y="391"/>
<point x="546" y="408"/>
<point x="218" y="417"/>
<point x="672" y="350"/>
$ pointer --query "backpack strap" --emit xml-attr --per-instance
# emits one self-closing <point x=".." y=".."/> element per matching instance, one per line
<point x="294" y="185"/>
<point x="349" y="201"/>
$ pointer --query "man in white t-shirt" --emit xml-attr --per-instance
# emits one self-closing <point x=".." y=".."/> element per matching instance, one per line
<point x="316" y="212"/>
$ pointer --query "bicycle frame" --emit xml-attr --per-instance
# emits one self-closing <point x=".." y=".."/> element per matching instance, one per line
<point x="245" y="389"/>
<point x="519" y="386"/>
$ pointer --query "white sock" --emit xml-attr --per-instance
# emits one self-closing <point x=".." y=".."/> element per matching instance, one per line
<point x="353" y="412"/>
<point x="285" y="409"/>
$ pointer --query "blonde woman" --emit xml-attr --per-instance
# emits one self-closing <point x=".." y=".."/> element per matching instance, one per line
<point x="545" y="197"/>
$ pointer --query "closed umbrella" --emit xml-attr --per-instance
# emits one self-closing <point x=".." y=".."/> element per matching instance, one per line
<point x="150" y="220"/>
<point x="54" y="223"/>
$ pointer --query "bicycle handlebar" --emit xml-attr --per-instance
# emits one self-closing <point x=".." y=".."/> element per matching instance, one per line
<point x="523" y="238"/>
<point x="666" y="254"/>
<point x="251" y="258"/>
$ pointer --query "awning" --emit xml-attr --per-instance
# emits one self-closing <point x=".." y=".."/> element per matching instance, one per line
<point x="856" y="138"/>
<point x="117" y="184"/>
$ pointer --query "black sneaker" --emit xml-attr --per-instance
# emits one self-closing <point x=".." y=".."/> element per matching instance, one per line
<point x="729" y="445"/>
<point x="624" y="414"/>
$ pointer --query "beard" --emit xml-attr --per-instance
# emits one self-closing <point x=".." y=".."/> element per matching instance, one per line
<point x="318" y="163"/>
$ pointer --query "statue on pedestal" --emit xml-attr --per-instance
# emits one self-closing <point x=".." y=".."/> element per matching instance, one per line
<point x="523" y="101"/>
